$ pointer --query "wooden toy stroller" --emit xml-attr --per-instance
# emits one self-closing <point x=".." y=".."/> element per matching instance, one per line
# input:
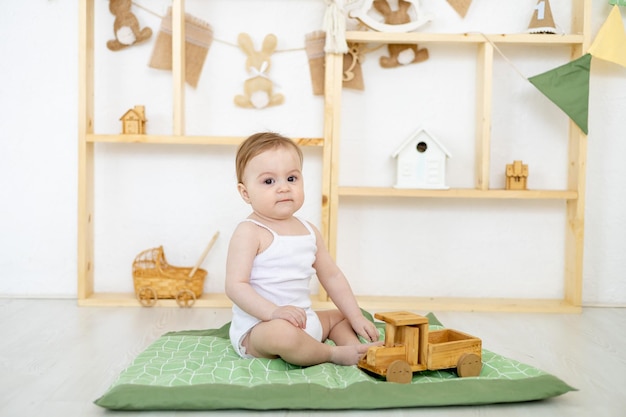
<point x="154" y="278"/>
<point x="410" y="347"/>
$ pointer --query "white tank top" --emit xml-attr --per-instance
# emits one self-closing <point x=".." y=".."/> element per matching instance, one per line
<point x="280" y="274"/>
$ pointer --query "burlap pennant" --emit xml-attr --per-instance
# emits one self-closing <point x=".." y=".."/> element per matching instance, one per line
<point x="352" y="75"/>
<point x="461" y="6"/>
<point x="198" y="38"/>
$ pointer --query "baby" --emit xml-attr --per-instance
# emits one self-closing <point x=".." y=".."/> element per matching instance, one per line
<point x="271" y="258"/>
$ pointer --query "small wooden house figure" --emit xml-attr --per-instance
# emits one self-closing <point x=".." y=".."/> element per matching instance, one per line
<point x="421" y="162"/>
<point x="134" y="121"/>
<point x="516" y="176"/>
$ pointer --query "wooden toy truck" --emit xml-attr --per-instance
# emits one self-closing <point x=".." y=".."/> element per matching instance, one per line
<point x="410" y="347"/>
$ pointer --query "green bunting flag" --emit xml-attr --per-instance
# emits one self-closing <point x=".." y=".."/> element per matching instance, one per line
<point x="567" y="86"/>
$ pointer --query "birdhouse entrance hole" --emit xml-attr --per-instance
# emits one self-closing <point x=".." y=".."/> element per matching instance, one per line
<point x="421" y="147"/>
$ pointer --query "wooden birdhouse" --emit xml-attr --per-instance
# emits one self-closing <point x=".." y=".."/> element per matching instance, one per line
<point x="134" y="121"/>
<point x="421" y="162"/>
<point x="516" y="176"/>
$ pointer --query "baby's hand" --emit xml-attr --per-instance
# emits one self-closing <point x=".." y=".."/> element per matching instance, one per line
<point x="366" y="329"/>
<point x="294" y="315"/>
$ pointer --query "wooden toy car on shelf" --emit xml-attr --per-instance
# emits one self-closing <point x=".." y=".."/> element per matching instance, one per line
<point x="410" y="347"/>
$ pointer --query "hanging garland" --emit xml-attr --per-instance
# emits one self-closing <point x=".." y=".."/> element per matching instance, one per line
<point x="567" y="86"/>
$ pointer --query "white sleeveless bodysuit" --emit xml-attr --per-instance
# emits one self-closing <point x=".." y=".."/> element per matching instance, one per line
<point x="280" y="274"/>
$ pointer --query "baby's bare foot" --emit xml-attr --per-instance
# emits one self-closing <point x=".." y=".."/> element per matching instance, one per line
<point x="351" y="354"/>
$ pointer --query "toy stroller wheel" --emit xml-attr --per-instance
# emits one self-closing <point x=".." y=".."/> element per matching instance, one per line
<point x="147" y="296"/>
<point x="399" y="371"/>
<point x="185" y="298"/>
<point x="469" y="364"/>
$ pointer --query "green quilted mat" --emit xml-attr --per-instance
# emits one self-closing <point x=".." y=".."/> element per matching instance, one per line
<point x="199" y="370"/>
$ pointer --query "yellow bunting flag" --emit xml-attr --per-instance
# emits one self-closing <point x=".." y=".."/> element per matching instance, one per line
<point x="610" y="42"/>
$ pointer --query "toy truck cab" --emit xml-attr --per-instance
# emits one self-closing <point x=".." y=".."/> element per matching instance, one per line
<point x="410" y="347"/>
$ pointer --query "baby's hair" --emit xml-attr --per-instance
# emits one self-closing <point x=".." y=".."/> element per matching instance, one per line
<point x="259" y="143"/>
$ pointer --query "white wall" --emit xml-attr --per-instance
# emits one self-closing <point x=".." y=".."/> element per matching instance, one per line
<point x="149" y="195"/>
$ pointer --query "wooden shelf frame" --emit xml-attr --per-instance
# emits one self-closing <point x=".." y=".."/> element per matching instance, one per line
<point x="332" y="192"/>
<point x="574" y="196"/>
<point x="87" y="139"/>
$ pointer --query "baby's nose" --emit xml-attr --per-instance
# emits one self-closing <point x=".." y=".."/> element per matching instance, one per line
<point x="283" y="185"/>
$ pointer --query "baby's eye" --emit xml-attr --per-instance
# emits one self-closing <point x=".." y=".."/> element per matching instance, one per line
<point x="292" y="178"/>
<point x="269" y="181"/>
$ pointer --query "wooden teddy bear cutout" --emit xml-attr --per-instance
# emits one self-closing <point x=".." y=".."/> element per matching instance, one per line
<point x="399" y="54"/>
<point x="126" y="26"/>
<point x="258" y="88"/>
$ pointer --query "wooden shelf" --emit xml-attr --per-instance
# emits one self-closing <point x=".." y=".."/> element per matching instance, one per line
<point x="129" y="300"/>
<point x="186" y="140"/>
<point x="458" y="193"/>
<point x="332" y="192"/>
<point x="573" y="196"/>
<point x="476" y="38"/>
<point x="427" y="304"/>
<point x="371" y="303"/>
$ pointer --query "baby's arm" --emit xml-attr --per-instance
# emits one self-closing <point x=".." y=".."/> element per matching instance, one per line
<point x="338" y="288"/>
<point x="243" y="247"/>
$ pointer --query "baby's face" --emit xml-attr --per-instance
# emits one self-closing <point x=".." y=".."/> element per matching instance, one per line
<point x="273" y="184"/>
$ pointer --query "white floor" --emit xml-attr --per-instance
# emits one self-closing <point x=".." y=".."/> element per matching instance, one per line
<point x="56" y="358"/>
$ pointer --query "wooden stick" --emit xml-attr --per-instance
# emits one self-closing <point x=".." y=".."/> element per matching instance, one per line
<point x="204" y="254"/>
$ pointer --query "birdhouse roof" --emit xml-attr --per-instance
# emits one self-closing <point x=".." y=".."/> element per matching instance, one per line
<point x="414" y="135"/>
<point x="134" y="111"/>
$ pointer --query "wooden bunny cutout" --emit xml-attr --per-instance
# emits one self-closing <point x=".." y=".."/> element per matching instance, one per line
<point x="258" y="87"/>
<point x="359" y="10"/>
<point x="125" y="26"/>
<point x="399" y="54"/>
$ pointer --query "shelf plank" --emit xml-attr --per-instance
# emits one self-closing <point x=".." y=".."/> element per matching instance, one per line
<point x="455" y="38"/>
<point x="427" y="304"/>
<point x="458" y="193"/>
<point x="187" y="140"/>
<point x="370" y="303"/>
<point x="129" y="300"/>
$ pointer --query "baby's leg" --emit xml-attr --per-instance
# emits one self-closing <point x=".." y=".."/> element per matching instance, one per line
<point x="337" y="328"/>
<point x="279" y="338"/>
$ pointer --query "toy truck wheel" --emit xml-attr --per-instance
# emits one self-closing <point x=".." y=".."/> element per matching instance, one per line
<point x="469" y="364"/>
<point x="399" y="371"/>
<point x="147" y="296"/>
<point x="185" y="298"/>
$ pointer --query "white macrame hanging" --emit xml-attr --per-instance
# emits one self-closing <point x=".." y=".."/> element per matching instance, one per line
<point x="335" y="27"/>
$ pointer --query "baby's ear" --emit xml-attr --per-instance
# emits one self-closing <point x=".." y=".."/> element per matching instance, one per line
<point x="243" y="192"/>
